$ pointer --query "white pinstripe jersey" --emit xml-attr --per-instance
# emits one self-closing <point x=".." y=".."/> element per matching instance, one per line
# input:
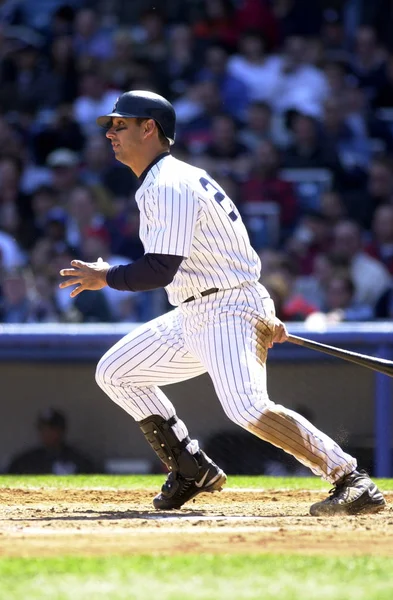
<point x="184" y="212"/>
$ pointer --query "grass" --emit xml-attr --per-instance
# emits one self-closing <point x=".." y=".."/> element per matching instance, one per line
<point x="153" y="481"/>
<point x="193" y="577"/>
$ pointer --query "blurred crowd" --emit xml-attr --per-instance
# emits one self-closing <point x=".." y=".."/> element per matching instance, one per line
<point x="287" y="103"/>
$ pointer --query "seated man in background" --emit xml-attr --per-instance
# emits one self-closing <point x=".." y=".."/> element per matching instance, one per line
<point x="341" y="304"/>
<point x="53" y="455"/>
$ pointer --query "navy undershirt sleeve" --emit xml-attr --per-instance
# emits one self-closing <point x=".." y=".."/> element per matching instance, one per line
<point x="149" y="272"/>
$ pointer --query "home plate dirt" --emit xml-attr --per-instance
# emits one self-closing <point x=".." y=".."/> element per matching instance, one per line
<point x="47" y="522"/>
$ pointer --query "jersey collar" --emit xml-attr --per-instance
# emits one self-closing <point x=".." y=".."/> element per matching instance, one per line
<point x="142" y="177"/>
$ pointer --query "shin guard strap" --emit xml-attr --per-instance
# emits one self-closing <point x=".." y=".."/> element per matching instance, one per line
<point x="173" y="453"/>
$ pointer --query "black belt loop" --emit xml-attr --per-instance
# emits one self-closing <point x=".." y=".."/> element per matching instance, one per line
<point x="205" y="293"/>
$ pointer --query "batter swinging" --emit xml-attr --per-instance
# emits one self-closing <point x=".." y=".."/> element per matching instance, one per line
<point x="197" y="247"/>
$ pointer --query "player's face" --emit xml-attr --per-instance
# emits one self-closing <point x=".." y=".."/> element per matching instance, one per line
<point x="126" y="138"/>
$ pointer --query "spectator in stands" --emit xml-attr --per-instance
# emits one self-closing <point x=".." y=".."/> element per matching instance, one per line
<point x="341" y="304"/>
<point x="44" y="308"/>
<point x="313" y="287"/>
<point x="96" y="160"/>
<point x="297" y="18"/>
<point x="230" y="184"/>
<point x="384" y="95"/>
<point x="380" y="246"/>
<point x="82" y="214"/>
<point x="93" y="98"/>
<point x="253" y="14"/>
<point x="152" y="41"/>
<point x="124" y="307"/>
<point x="308" y="150"/>
<point x="15" y="206"/>
<point x="24" y="74"/>
<point x="94" y="308"/>
<point x="43" y="201"/>
<point x="384" y="306"/>
<point x="15" y="301"/>
<point x="61" y="20"/>
<point x="290" y="303"/>
<point x="293" y="82"/>
<point x="370" y="276"/>
<point x="54" y="229"/>
<point x="332" y="206"/>
<point x="64" y="166"/>
<point x="11" y="254"/>
<point x="338" y="78"/>
<point x="368" y="61"/>
<point x="271" y="259"/>
<point x="11" y="139"/>
<point x="333" y="35"/>
<point x="226" y="155"/>
<point x="38" y="15"/>
<point x="182" y="61"/>
<point x="315" y="55"/>
<point x="265" y="185"/>
<point x="258" y="125"/>
<point x="233" y="91"/>
<point x="63" y="76"/>
<point x="380" y="186"/>
<point x="61" y="131"/>
<point x="361" y="204"/>
<point x="311" y="236"/>
<point x="217" y="24"/>
<point x="195" y="131"/>
<point x="40" y="256"/>
<point x="189" y="106"/>
<point x="261" y="125"/>
<point x="53" y="455"/>
<point x="121" y="67"/>
<point x="89" y="39"/>
<point x="364" y="121"/>
<point x="11" y="13"/>
<point x="353" y="151"/>
<point x="251" y="66"/>
<point x="278" y="289"/>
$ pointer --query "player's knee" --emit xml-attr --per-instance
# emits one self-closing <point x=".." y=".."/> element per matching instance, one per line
<point x="110" y="374"/>
<point x="105" y="374"/>
<point x="242" y="411"/>
<point x="100" y="375"/>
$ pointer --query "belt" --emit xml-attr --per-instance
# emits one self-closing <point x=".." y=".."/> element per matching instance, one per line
<point x="205" y="293"/>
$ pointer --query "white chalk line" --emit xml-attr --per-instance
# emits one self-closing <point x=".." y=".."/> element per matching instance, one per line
<point x="138" y="531"/>
<point x="233" y="490"/>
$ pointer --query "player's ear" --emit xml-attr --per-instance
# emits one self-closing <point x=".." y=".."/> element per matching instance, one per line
<point x="148" y="127"/>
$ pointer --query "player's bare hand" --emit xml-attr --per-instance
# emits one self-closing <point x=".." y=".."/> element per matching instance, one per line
<point x="85" y="276"/>
<point x="280" y="333"/>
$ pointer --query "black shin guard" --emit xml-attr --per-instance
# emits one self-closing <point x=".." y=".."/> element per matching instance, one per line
<point x="174" y="454"/>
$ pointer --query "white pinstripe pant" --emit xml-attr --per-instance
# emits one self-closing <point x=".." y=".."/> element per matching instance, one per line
<point x="224" y="334"/>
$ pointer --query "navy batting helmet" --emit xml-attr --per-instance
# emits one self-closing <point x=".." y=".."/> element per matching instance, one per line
<point x="148" y="105"/>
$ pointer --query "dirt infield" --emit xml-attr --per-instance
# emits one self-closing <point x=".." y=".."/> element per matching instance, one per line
<point x="47" y="522"/>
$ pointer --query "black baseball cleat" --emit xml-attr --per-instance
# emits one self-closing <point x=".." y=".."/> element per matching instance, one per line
<point x="178" y="489"/>
<point x="355" y="494"/>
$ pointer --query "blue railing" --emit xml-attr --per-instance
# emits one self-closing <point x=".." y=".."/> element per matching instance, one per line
<point x="87" y="342"/>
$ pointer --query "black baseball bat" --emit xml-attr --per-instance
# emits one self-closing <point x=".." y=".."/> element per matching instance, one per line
<point x="381" y="365"/>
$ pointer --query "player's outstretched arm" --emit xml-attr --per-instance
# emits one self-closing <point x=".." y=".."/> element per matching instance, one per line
<point x="85" y="276"/>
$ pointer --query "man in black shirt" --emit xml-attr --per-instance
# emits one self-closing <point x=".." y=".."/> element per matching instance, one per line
<point x="53" y="455"/>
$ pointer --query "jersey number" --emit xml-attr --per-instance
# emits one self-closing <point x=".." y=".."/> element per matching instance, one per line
<point x="219" y="197"/>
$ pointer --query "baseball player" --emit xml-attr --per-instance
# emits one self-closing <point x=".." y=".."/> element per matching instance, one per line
<point x="197" y="247"/>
